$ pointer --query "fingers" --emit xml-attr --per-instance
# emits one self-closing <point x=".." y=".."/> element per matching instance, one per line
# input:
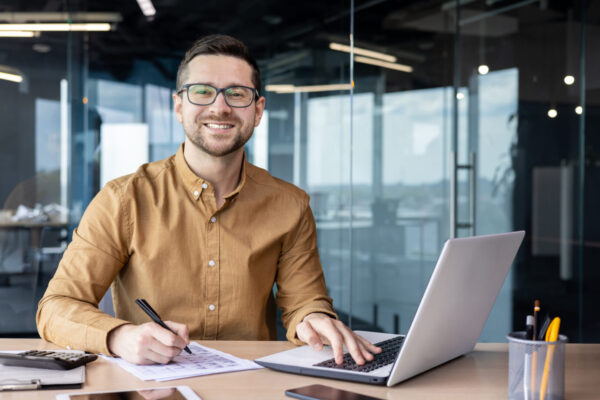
<point x="370" y="347"/>
<point x="308" y="335"/>
<point x="181" y="330"/>
<point x="148" y="343"/>
<point x="338" y="335"/>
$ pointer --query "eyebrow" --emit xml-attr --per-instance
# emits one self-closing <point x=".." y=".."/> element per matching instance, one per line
<point x="250" y="85"/>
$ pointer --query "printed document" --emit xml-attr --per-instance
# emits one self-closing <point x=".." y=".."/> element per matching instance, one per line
<point x="203" y="361"/>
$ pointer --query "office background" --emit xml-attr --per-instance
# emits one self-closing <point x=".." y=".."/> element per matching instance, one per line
<point x="471" y="118"/>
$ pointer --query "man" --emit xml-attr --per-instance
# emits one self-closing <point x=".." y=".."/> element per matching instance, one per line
<point x="202" y="236"/>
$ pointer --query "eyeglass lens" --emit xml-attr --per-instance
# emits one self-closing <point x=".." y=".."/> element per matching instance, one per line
<point x="235" y="96"/>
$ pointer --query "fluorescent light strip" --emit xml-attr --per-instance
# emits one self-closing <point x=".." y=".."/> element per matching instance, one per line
<point x="362" y="52"/>
<point x="307" y="89"/>
<point x="397" y="67"/>
<point x="147" y="7"/>
<point x="17" y="33"/>
<point x="279" y="88"/>
<point x="11" y="77"/>
<point x="56" y="27"/>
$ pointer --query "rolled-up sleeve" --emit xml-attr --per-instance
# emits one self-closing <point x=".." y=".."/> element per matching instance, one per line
<point x="68" y="313"/>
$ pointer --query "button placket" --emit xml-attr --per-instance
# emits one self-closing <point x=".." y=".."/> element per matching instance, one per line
<point x="212" y="278"/>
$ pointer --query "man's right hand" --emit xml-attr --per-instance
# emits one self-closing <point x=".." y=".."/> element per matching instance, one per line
<point x="148" y="343"/>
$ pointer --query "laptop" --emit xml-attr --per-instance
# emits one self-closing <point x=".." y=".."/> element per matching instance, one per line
<point x="455" y="306"/>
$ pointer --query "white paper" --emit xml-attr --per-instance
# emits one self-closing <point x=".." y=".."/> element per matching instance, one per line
<point x="10" y="374"/>
<point x="202" y="361"/>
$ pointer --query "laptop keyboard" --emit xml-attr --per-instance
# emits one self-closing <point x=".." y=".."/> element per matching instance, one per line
<point x="389" y="351"/>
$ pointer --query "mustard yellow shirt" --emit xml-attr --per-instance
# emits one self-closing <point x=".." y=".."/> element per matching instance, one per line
<point x="157" y="235"/>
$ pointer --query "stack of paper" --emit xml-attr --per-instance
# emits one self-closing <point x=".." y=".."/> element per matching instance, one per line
<point x="202" y="361"/>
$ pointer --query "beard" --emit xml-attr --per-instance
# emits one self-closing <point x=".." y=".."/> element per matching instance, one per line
<point x="198" y="134"/>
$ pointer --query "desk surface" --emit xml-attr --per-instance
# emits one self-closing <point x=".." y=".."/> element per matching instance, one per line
<point x="481" y="374"/>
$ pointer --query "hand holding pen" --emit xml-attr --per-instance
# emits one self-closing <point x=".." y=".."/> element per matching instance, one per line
<point x="148" y="343"/>
<point x="144" y="305"/>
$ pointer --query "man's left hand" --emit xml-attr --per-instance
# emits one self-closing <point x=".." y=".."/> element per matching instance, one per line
<point x="317" y="329"/>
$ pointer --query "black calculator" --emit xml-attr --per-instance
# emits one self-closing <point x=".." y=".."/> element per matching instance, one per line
<point x="47" y="359"/>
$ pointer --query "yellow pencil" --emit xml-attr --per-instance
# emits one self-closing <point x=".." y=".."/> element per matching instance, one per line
<point x="551" y="336"/>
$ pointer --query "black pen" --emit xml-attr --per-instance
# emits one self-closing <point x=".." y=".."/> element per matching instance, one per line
<point x="154" y="315"/>
<point x="529" y="328"/>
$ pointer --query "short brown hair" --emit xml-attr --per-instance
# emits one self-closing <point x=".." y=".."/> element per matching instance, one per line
<point x="223" y="45"/>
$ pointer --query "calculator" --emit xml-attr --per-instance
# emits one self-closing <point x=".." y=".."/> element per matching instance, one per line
<point x="46" y="359"/>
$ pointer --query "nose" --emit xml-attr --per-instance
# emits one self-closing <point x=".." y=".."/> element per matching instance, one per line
<point x="220" y="106"/>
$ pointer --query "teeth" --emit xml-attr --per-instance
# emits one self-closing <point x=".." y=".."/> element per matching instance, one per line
<point x="219" y="126"/>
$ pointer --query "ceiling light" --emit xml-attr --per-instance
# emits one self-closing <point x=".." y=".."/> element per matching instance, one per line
<point x="17" y="33"/>
<point x="552" y="113"/>
<point x="483" y="69"/>
<point x="147" y="7"/>
<point x="307" y="89"/>
<point x="460" y="95"/>
<point x="45" y="16"/>
<point x="578" y="110"/>
<point x="56" y="27"/>
<point x="11" y="77"/>
<point x="362" y="52"/>
<point x="279" y="88"/>
<point x="569" y="79"/>
<point x="384" y="64"/>
<point x="41" y="48"/>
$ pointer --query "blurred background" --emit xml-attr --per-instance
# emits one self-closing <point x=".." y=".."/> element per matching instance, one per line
<point x="466" y="118"/>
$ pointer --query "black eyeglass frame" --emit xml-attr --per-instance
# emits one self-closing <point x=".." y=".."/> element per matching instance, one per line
<point x="219" y="90"/>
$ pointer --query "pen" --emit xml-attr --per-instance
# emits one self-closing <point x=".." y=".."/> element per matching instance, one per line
<point x="536" y="309"/>
<point x="543" y="329"/>
<point x="529" y="327"/>
<point x="154" y="315"/>
<point x="551" y="336"/>
<point x="529" y="335"/>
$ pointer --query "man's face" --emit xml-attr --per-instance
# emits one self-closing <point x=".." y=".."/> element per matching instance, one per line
<point x="218" y="129"/>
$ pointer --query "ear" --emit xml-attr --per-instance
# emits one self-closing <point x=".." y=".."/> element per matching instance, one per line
<point x="177" y="104"/>
<point x="260" y="107"/>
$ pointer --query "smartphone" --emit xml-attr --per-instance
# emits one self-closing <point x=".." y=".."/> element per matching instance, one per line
<point x="322" y="392"/>
<point x="160" y="393"/>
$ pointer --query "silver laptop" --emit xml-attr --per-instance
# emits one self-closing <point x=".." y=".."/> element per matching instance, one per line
<point x="457" y="301"/>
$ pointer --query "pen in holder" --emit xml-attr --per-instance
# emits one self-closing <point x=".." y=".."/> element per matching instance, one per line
<point x="536" y="368"/>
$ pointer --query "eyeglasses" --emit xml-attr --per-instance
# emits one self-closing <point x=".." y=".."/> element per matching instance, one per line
<point x="202" y="94"/>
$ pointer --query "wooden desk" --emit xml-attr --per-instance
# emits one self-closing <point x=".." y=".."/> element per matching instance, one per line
<point x="482" y="374"/>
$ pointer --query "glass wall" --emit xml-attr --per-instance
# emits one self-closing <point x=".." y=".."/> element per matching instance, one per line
<point x="462" y="120"/>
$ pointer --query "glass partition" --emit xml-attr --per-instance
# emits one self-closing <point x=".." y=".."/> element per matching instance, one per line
<point x="466" y="117"/>
<point x="33" y="172"/>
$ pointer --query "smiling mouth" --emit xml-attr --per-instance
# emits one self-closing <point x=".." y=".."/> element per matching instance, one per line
<point x="218" y="126"/>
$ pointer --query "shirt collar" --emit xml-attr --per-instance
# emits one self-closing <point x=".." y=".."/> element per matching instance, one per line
<point x="191" y="180"/>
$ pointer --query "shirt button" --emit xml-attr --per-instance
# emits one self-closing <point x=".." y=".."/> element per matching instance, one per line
<point x="211" y="263"/>
<point x="196" y="193"/>
<point x="213" y="219"/>
<point x="211" y="307"/>
<point x="204" y="186"/>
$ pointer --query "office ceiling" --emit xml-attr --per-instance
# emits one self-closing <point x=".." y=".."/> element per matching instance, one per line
<point x="418" y="32"/>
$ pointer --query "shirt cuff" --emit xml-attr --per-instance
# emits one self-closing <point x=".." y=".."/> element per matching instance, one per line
<point x="97" y="337"/>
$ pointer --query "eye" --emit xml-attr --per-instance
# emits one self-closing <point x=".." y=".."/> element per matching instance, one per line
<point x="236" y="92"/>
<point x="201" y="90"/>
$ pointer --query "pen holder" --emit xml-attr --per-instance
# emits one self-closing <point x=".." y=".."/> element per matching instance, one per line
<point x="536" y="369"/>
